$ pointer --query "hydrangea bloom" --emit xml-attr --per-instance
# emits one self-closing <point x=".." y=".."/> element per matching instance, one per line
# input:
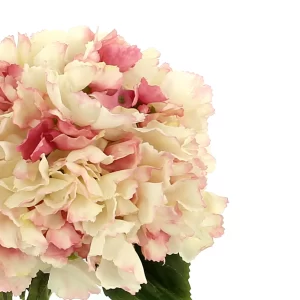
<point x="101" y="148"/>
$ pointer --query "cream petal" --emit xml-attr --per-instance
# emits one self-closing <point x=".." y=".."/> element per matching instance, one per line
<point x="146" y="67"/>
<point x="111" y="277"/>
<point x="73" y="281"/>
<point x="186" y="89"/>
<point x="23" y="48"/>
<point x="15" y="284"/>
<point x="77" y="38"/>
<point x="33" y="241"/>
<point x="25" y="107"/>
<point x="125" y="207"/>
<point x="78" y="75"/>
<point x="21" y="198"/>
<point x="83" y="209"/>
<point x="187" y="193"/>
<point x="45" y="37"/>
<point x="150" y="195"/>
<point x="91" y="183"/>
<point x="191" y="247"/>
<point x="8" y="150"/>
<point x="34" y="78"/>
<point x="103" y="219"/>
<point x="53" y="90"/>
<point x="16" y="263"/>
<point x="52" y="56"/>
<point x="89" y="153"/>
<point x="127" y="262"/>
<point x="214" y="203"/>
<point x="9" y="233"/>
<point x="107" y="120"/>
<point x="107" y="77"/>
<point x="8" y="50"/>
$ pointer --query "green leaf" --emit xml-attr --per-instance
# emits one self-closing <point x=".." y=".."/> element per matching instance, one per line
<point x="169" y="281"/>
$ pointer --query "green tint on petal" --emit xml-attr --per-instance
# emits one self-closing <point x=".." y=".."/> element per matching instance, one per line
<point x="73" y="256"/>
<point x="87" y="90"/>
<point x="121" y="99"/>
<point x="152" y="109"/>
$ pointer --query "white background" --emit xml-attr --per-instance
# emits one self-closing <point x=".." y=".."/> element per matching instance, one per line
<point x="248" y="52"/>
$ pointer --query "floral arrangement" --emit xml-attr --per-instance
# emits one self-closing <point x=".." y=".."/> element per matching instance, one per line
<point x="103" y="168"/>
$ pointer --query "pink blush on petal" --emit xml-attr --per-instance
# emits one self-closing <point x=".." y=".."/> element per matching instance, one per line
<point x="150" y="93"/>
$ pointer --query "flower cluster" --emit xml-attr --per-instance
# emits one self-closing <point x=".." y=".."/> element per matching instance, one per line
<point x="101" y="149"/>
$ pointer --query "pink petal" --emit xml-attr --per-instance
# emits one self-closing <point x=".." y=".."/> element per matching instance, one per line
<point x="145" y="110"/>
<point x="124" y="98"/>
<point x="83" y="251"/>
<point x="43" y="147"/>
<point x="54" y="221"/>
<point x="155" y="247"/>
<point x="55" y="256"/>
<point x="126" y="154"/>
<point x="66" y="143"/>
<point x="150" y="93"/>
<point x="63" y="238"/>
<point x="106" y="100"/>
<point x="115" y="51"/>
<point x="27" y="107"/>
<point x="14" y="70"/>
<point x="217" y="232"/>
<point x="128" y="98"/>
<point x="14" y="262"/>
<point x="107" y="78"/>
<point x="33" y="146"/>
<point x="125" y="57"/>
<point x="72" y="130"/>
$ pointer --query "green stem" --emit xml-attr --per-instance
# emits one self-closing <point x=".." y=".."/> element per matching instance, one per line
<point x="38" y="289"/>
<point x="5" y="296"/>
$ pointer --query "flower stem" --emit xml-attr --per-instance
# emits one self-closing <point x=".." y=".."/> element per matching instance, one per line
<point x="38" y="289"/>
<point x="5" y="296"/>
